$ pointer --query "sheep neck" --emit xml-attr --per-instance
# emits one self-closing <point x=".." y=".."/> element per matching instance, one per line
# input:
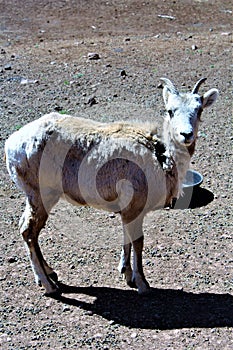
<point x="181" y="155"/>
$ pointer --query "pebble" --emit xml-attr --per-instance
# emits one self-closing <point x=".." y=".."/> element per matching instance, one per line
<point x="98" y="335"/>
<point x="28" y="81"/>
<point x="89" y="313"/>
<point x="58" y="108"/>
<point x="65" y="308"/>
<point x="12" y="259"/>
<point x="8" y="66"/>
<point x="123" y="73"/>
<point x="226" y="33"/>
<point x="93" y="56"/>
<point x="194" y="47"/>
<point x="92" y="101"/>
<point x="133" y="335"/>
<point x="166" y="17"/>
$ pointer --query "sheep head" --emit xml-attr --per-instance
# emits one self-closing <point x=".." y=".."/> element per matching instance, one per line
<point x="184" y="111"/>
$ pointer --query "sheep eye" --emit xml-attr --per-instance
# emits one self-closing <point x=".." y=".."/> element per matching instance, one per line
<point x="171" y="114"/>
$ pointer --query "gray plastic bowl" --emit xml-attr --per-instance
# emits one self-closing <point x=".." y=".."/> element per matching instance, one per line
<point x="192" y="179"/>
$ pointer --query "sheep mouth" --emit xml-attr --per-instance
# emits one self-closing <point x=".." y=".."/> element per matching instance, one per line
<point x="186" y="141"/>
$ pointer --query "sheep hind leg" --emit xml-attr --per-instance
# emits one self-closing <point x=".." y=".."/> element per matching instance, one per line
<point x="124" y="266"/>
<point x="50" y="272"/>
<point x="32" y="221"/>
<point x="138" y="274"/>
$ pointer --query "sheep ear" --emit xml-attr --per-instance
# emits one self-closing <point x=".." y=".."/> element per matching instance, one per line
<point x="166" y="93"/>
<point x="210" y="97"/>
<point x="169" y="88"/>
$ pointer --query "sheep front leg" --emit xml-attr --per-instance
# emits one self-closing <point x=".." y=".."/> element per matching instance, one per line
<point x="31" y="223"/>
<point x="133" y="235"/>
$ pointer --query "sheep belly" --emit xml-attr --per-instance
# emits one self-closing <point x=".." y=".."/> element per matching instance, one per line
<point x="123" y="180"/>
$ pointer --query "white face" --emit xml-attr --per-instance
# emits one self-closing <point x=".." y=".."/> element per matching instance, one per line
<point x="184" y="111"/>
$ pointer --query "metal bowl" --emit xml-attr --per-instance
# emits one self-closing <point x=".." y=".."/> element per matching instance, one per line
<point x="192" y="179"/>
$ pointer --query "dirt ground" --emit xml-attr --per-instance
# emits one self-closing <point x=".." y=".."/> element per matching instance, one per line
<point x="188" y="255"/>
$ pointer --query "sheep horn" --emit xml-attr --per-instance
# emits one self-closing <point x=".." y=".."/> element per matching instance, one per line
<point x="170" y="85"/>
<point x="197" y="85"/>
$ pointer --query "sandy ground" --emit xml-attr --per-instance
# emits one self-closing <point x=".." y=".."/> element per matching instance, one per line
<point x="44" y="66"/>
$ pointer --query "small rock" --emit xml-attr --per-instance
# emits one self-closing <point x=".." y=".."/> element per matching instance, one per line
<point x="65" y="308"/>
<point x="93" y="56"/>
<point x="98" y="335"/>
<point x="92" y="101"/>
<point x="3" y="52"/>
<point x="226" y="33"/>
<point x="12" y="259"/>
<point x="58" y="108"/>
<point x="28" y="81"/>
<point x="166" y="17"/>
<point x="134" y="335"/>
<point x="8" y="66"/>
<point x="123" y="73"/>
<point x="89" y="313"/>
<point x="194" y="47"/>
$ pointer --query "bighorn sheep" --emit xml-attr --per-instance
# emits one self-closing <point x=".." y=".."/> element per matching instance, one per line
<point x="121" y="167"/>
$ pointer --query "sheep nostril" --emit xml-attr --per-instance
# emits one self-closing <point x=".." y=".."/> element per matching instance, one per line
<point x="187" y="135"/>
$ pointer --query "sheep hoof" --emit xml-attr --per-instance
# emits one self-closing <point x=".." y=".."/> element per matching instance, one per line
<point x="56" y="294"/>
<point x="53" y="276"/>
<point x="132" y="284"/>
<point x="39" y="283"/>
<point x="144" y="289"/>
